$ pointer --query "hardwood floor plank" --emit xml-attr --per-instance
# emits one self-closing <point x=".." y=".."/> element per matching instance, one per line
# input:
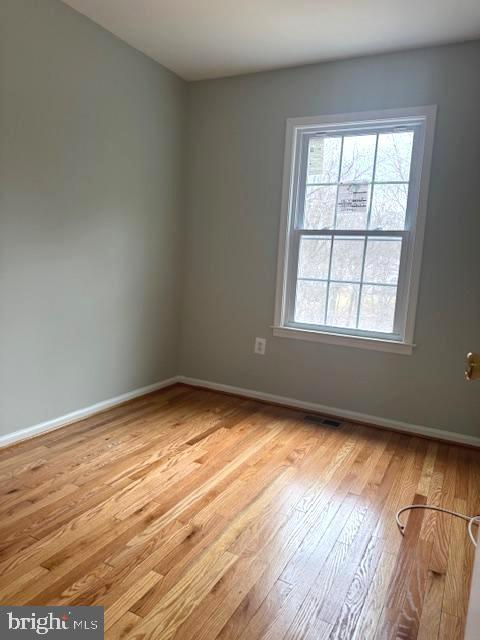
<point x="460" y="558"/>
<point x="369" y="616"/>
<point x="130" y="597"/>
<point x="434" y="497"/>
<point x="395" y="598"/>
<point x="222" y="540"/>
<point x="450" y="628"/>
<point x="105" y="583"/>
<point x="23" y="584"/>
<point x="403" y="493"/>
<point x="180" y="601"/>
<point x="207" y="620"/>
<point x="123" y="628"/>
<point x="301" y="572"/>
<point x="443" y="523"/>
<point x="331" y="586"/>
<point x="430" y="619"/>
<point x="350" y="606"/>
<point x="193" y="515"/>
<point x="416" y="589"/>
<point x="178" y="508"/>
<point x="243" y="623"/>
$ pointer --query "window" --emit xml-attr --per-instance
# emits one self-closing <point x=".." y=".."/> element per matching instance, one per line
<point x="355" y="192"/>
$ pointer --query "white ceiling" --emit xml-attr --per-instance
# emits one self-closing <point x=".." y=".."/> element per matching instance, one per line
<point x="200" y="39"/>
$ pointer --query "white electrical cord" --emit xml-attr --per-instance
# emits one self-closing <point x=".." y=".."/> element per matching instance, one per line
<point x="470" y="519"/>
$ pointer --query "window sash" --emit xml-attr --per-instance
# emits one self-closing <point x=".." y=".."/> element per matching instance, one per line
<point x="301" y="174"/>
<point x="293" y="279"/>
<point x="296" y="194"/>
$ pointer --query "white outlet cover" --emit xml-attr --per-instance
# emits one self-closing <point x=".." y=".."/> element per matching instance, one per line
<point x="260" y="346"/>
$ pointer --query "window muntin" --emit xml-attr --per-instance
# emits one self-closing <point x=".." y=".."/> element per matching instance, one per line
<point x="353" y="199"/>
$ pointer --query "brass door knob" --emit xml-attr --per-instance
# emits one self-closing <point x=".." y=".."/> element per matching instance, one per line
<point x="472" y="369"/>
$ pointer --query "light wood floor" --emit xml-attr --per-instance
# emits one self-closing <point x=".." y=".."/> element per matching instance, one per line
<point x="193" y="515"/>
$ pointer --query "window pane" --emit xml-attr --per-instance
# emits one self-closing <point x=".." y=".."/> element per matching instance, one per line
<point x="377" y="308"/>
<point x="358" y="158"/>
<point x="310" y="302"/>
<point x="394" y="156"/>
<point x="347" y="258"/>
<point x="323" y="159"/>
<point x="342" y="304"/>
<point x="319" y="207"/>
<point x="382" y="260"/>
<point x="314" y="257"/>
<point x="389" y="206"/>
<point x="352" y="206"/>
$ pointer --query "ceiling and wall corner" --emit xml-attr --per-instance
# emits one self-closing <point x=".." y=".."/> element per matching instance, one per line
<point x="215" y="38"/>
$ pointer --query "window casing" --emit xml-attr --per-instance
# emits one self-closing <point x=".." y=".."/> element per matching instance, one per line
<point x="354" y="202"/>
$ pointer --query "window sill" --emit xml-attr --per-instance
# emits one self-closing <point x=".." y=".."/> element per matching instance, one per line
<point x="377" y="344"/>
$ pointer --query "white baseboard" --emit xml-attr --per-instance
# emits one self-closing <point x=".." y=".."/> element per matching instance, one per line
<point x="62" y="421"/>
<point x="353" y="416"/>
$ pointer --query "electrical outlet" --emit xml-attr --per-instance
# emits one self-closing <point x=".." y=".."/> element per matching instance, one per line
<point x="260" y="345"/>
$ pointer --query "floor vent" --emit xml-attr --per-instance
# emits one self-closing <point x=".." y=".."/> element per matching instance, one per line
<point x="327" y="422"/>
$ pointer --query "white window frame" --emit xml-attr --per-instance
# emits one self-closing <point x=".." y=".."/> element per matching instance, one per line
<point x="422" y="119"/>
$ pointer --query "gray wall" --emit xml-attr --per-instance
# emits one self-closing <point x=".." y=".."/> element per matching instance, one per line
<point x="94" y="169"/>
<point x="90" y="152"/>
<point x="236" y="138"/>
